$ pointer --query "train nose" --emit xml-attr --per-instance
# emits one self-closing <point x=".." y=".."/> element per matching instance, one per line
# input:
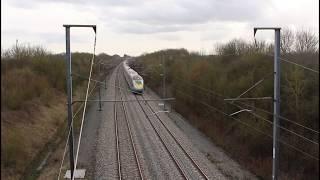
<point x="138" y="85"/>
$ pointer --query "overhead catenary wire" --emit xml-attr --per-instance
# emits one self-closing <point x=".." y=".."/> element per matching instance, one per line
<point x="78" y="110"/>
<point x="67" y="140"/>
<point x="253" y="86"/>
<point x="263" y="110"/>
<point x="304" y="67"/>
<point x="94" y="80"/>
<point x="281" y="58"/>
<point x="243" y="99"/>
<point x="238" y="120"/>
<point x="85" y="105"/>
<point x="291" y="145"/>
<point x="296" y="64"/>
<point x="281" y="117"/>
<point x="66" y="145"/>
<point x="281" y="127"/>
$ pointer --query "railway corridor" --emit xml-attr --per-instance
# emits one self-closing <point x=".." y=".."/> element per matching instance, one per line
<point x="135" y="142"/>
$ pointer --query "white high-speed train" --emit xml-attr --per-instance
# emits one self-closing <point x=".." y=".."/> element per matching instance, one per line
<point x="133" y="79"/>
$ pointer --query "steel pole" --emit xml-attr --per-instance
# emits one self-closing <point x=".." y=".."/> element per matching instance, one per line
<point x="99" y="88"/>
<point x="69" y="93"/>
<point x="276" y="105"/>
<point x="105" y="78"/>
<point x="164" y="81"/>
<point x="105" y="83"/>
<point x="276" y="99"/>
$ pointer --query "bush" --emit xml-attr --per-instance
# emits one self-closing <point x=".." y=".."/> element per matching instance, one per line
<point x="30" y="72"/>
<point x="22" y="85"/>
<point x="238" y="67"/>
<point x="32" y="78"/>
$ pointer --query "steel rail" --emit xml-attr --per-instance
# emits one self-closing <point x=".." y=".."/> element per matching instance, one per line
<point x="162" y="141"/>
<point x="164" y="144"/>
<point x="116" y="128"/>
<point x="130" y="132"/>
<point x="175" y="139"/>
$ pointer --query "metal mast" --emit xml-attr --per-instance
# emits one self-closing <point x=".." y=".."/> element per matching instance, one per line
<point x="276" y="100"/>
<point x="69" y="91"/>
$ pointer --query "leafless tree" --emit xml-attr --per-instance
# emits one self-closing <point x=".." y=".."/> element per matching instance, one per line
<point x="287" y="41"/>
<point x="306" y="41"/>
<point x="238" y="47"/>
<point x="270" y="48"/>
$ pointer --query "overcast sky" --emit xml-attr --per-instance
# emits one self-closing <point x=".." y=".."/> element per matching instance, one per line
<point x="138" y="26"/>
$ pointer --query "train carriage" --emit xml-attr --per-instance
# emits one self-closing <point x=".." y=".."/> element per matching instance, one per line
<point x="134" y="80"/>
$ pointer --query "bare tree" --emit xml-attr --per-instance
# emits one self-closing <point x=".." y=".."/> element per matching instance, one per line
<point x="270" y="48"/>
<point x="295" y="87"/>
<point x="287" y="41"/>
<point x="306" y="42"/>
<point x="260" y="46"/>
<point x="234" y="47"/>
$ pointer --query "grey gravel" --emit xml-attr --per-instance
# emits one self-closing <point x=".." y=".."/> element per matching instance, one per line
<point x="215" y="154"/>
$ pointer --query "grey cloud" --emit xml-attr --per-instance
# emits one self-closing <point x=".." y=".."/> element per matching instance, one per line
<point x="97" y="3"/>
<point x="141" y="28"/>
<point x="195" y="12"/>
<point x="47" y="37"/>
<point x="168" y="16"/>
<point x="169" y="37"/>
<point x="220" y="31"/>
<point x="55" y="38"/>
<point x="156" y="16"/>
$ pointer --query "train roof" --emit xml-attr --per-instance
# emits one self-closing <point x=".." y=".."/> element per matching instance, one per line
<point x="132" y="73"/>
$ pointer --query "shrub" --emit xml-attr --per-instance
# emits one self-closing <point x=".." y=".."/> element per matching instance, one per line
<point x="22" y="85"/>
<point x="230" y="75"/>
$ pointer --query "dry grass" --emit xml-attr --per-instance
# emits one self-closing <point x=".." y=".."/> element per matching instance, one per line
<point x="33" y="103"/>
<point x="23" y="141"/>
<point x="22" y="85"/>
<point x="53" y="165"/>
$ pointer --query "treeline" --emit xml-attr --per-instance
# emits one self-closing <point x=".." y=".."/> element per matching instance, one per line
<point x="39" y="72"/>
<point x="299" y="42"/>
<point x="201" y="83"/>
<point x="33" y="96"/>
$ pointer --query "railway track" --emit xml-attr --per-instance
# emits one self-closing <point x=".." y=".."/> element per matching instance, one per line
<point x="165" y="143"/>
<point x="185" y="172"/>
<point x="137" y="143"/>
<point x="175" y="139"/>
<point x="123" y="133"/>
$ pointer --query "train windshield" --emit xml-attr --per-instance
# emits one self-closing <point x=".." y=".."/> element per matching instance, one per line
<point x="138" y="82"/>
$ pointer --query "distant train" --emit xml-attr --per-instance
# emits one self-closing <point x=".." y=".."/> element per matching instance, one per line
<point x="133" y="79"/>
